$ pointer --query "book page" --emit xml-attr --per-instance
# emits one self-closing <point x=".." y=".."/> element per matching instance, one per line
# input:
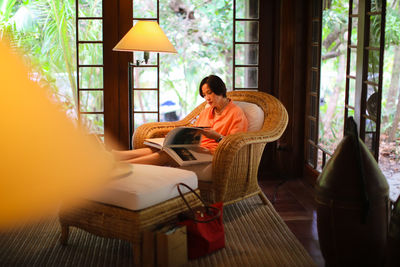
<point x="183" y="153"/>
<point x="189" y="155"/>
<point x="183" y="136"/>
<point x="154" y="142"/>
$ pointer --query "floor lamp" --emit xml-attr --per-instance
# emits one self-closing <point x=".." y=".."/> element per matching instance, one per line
<point x="146" y="36"/>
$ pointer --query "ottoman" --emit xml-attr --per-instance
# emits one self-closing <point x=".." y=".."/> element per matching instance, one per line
<point x="132" y="205"/>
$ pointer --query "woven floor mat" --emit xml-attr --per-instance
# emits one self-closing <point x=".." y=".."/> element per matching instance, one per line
<point x="255" y="236"/>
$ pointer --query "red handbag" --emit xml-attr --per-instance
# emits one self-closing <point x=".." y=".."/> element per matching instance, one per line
<point x="205" y="228"/>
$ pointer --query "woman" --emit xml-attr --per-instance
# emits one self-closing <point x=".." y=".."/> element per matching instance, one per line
<point x="221" y="117"/>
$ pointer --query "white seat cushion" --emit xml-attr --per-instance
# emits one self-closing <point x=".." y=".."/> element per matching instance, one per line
<point x="146" y="186"/>
<point x="254" y="115"/>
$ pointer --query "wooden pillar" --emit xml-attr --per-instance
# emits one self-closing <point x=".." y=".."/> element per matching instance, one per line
<point x="284" y="60"/>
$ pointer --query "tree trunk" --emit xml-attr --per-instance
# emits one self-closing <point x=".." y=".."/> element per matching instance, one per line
<point x="393" y="129"/>
<point x="394" y="85"/>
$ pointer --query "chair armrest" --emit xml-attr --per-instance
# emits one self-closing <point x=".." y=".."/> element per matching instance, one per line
<point x="274" y="126"/>
<point x="237" y="157"/>
<point x="235" y="161"/>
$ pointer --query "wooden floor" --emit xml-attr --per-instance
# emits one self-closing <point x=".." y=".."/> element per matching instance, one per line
<point x="295" y="204"/>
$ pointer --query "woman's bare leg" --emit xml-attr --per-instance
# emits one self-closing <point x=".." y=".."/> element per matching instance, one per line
<point x="131" y="154"/>
<point x="159" y="158"/>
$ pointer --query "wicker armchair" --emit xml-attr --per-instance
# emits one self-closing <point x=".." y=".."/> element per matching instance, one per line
<point x="237" y="157"/>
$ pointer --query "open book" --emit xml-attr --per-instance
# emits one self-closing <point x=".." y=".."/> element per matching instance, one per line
<point x="183" y="145"/>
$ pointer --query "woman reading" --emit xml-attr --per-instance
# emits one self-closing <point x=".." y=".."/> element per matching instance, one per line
<point x="220" y="118"/>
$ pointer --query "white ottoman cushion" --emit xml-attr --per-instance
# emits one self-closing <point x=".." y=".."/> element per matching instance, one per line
<point x="146" y="186"/>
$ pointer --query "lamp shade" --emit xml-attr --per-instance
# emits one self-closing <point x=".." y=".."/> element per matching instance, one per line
<point x="145" y="36"/>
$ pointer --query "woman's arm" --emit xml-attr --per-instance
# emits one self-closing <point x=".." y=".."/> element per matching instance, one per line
<point x="212" y="134"/>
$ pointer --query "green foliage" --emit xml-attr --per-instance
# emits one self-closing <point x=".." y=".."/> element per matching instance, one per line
<point x="44" y="31"/>
<point x="202" y="34"/>
<point x="335" y="21"/>
<point x="392" y="32"/>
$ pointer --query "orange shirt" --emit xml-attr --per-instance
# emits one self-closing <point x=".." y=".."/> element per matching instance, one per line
<point x="231" y="120"/>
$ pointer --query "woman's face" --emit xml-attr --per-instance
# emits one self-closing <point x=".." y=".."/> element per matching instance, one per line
<point x="211" y="98"/>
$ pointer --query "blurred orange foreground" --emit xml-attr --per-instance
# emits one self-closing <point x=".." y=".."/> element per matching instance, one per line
<point x="45" y="159"/>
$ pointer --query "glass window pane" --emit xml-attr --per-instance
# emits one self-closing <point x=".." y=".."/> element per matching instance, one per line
<point x="91" y="54"/>
<point x="312" y="131"/>
<point x="93" y="122"/>
<point x="372" y="104"/>
<point x="373" y="66"/>
<point x="316" y="5"/>
<point x="89" y="8"/>
<point x="350" y="112"/>
<point x="141" y="118"/>
<point x="145" y="77"/>
<point x="369" y="141"/>
<point x="91" y="101"/>
<point x="315" y="31"/>
<point x="145" y="9"/>
<point x="145" y="100"/>
<point x="352" y="92"/>
<point x="91" y="78"/>
<point x="329" y="127"/>
<point x="375" y="31"/>
<point x="246" y="77"/>
<point x="370" y="125"/>
<point x="355" y="7"/>
<point x="311" y="154"/>
<point x="246" y="54"/>
<point x="314" y="81"/>
<point x="315" y="56"/>
<point x="376" y="5"/>
<point x="353" y="61"/>
<point x="170" y="107"/>
<point x="370" y="134"/>
<point x="247" y="9"/>
<point x="313" y="106"/>
<point x="90" y="30"/>
<point x="246" y="31"/>
<point x="354" y="23"/>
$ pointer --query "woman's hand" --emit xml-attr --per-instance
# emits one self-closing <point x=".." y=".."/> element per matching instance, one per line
<point x="212" y="134"/>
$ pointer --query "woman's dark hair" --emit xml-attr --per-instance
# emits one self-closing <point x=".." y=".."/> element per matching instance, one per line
<point x="216" y="85"/>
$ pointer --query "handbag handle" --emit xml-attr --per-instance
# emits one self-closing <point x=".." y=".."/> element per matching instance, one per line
<point x="207" y="207"/>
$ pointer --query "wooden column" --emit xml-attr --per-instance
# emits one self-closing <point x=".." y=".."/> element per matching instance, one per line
<point x="284" y="61"/>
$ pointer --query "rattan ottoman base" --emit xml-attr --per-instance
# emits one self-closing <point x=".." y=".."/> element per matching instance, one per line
<point x="115" y="222"/>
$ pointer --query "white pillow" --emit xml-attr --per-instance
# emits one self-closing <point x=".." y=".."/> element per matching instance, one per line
<point x="254" y="115"/>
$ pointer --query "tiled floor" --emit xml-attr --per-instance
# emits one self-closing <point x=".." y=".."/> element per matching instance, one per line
<point x="295" y="204"/>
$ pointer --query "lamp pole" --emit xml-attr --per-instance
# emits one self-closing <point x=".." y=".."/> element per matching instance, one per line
<point x="130" y="104"/>
<point x="146" y="36"/>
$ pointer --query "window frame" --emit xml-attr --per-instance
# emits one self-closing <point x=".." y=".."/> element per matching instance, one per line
<point x="79" y="66"/>
<point x="313" y="90"/>
<point x="117" y="18"/>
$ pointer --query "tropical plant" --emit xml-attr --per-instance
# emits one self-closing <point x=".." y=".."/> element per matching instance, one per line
<point x="202" y="33"/>
<point x="43" y="31"/>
